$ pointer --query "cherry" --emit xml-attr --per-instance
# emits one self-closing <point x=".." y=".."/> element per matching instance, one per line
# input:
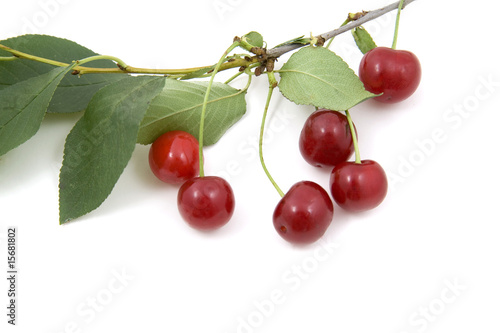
<point x="303" y="214"/>
<point x="325" y="139"/>
<point x="206" y="203"/>
<point x="358" y="186"/>
<point x="174" y="158"/>
<point x="394" y="73"/>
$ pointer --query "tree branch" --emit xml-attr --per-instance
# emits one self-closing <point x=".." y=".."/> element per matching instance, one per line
<point x="274" y="53"/>
<point x="366" y="17"/>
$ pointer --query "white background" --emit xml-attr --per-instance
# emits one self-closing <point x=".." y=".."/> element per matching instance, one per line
<point x="426" y="260"/>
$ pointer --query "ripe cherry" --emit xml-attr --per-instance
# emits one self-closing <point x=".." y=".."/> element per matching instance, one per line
<point x="206" y="203"/>
<point x="394" y="73"/>
<point x="325" y="139"/>
<point x="304" y="213"/>
<point x="358" y="186"/>
<point x="173" y="157"/>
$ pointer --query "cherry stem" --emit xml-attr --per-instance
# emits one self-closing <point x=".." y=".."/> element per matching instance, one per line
<point x="354" y="137"/>
<point x="118" y="61"/>
<point x="272" y="85"/>
<point x="348" y="20"/>
<point x="205" y="103"/>
<point x="246" y="71"/>
<point x="395" y="40"/>
<point x="8" y="58"/>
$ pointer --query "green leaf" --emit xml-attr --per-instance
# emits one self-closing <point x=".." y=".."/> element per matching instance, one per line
<point x="23" y="106"/>
<point x="302" y="40"/>
<point x="317" y="76"/>
<point x="363" y="39"/>
<point x="101" y="143"/>
<point x="254" y="39"/>
<point x="74" y="93"/>
<point x="178" y="107"/>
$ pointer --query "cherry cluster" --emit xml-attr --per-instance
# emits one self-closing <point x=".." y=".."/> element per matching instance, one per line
<point x="328" y="140"/>
<point x="205" y="203"/>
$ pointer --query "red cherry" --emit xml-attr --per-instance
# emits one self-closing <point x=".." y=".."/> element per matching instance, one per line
<point x="395" y="73"/>
<point x="304" y="213"/>
<point x="174" y="157"/>
<point x="326" y="139"/>
<point x="358" y="186"/>
<point x="206" y="203"/>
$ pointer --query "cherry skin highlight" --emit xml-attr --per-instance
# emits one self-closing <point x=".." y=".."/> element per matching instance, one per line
<point x="206" y="203"/>
<point x="358" y="187"/>
<point x="325" y="139"/>
<point x="303" y="215"/>
<point x="174" y="157"/>
<point x="393" y="73"/>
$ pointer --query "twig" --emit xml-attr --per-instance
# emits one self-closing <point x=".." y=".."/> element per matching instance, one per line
<point x="368" y="16"/>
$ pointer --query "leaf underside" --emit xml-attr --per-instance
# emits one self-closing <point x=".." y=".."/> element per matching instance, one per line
<point x="317" y="76"/>
<point x="363" y="39"/>
<point x="178" y="107"/>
